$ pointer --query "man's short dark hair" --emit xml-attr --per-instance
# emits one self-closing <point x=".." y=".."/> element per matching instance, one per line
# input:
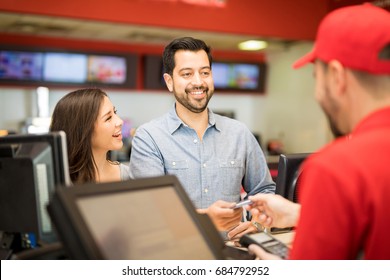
<point x="183" y="43"/>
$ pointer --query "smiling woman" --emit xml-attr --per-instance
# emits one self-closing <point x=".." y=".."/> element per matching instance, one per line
<point x="93" y="129"/>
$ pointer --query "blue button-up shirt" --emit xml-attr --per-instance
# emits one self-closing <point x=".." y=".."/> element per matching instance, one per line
<point x="216" y="167"/>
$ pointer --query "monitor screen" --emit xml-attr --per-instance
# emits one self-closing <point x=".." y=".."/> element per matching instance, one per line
<point x="21" y="65"/>
<point x="90" y="69"/>
<point x="50" y="67"/>
<point x="160" y="238"/>
<point x="149" y="218"/>
<point x="238" y="76"/>
<point x="65" y="67"/>
<point x="31" y="166"/>
<point x="107" y="69"/>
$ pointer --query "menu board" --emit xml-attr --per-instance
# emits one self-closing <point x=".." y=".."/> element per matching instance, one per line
<point x="67" y="68"/>
<point x="19" y="65"/>
<point x="240" y="76"/>
<point x="107" y="69"/>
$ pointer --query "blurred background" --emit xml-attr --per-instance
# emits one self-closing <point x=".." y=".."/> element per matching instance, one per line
<point x="48" y="49"/>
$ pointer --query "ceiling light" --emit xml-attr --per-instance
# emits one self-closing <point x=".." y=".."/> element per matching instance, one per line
<point x="252" y="45"/>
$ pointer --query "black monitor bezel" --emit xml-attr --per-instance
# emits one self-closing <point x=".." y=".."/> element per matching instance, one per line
<point x="57" y="141"/>
<point x="288" y="171"/>
<point x="59" y="158"/>
<point x="77" y="237"/>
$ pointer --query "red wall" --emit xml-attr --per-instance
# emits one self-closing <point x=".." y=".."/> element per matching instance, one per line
<point x="287" y="19"/>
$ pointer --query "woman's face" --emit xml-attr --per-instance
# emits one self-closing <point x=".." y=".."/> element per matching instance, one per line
<point x="107" y="134"/>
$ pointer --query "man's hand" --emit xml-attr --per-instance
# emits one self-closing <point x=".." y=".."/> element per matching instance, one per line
<point x="222" y="214"/>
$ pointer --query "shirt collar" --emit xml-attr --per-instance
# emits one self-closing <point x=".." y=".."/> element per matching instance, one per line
<point x="174" y="122"/>
<point x="379" y="118"/>
<point x="213" y="121"/>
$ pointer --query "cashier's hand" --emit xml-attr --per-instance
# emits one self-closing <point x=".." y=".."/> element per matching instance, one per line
<point x="261" y="254"/>
<point x="273" y="210"/>
<point x="222" y="215"/>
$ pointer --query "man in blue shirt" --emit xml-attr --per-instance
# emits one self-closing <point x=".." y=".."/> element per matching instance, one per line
<point x="212" y="156"/>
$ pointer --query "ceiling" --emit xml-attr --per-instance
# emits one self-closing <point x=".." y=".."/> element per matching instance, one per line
<point x="37" y="25"/>
<point x="74" y="28"/>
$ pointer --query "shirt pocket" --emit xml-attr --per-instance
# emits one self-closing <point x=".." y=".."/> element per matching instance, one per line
<point x="231" y="177"/>
<point x="179" y="168"/>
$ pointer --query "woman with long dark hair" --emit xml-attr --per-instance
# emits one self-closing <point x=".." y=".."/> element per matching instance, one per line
<point x="92" y="128"/>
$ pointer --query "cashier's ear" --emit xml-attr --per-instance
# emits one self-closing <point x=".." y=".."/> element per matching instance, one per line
<point x="168" y="81"/>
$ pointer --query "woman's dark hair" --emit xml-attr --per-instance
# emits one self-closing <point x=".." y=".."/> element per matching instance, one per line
<point x="76" y="114"/>
<point x="184" y="43"/>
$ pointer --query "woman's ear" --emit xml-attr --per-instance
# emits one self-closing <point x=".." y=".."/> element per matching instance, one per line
<point x="168" y="81"/>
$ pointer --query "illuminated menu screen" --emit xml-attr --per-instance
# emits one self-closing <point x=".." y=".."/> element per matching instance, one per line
<point x="62" y="68"/>
<point x="107" y="69"/>
<point x="236" y="76"/>
<point x="15" y="65"/>
<point x="65" y="67"/>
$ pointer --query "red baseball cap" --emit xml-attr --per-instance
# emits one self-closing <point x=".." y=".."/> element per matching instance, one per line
<point x="355" y="36"/>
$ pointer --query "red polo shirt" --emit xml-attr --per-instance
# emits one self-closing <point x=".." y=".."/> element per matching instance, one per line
<point x="345" y="196"/>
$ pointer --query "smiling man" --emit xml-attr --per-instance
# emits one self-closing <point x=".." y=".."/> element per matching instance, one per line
<point x="213" y="156"/>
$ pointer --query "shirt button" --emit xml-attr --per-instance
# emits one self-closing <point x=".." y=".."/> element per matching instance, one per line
<point x="173" y="163"/>
<point x="232" y="162"/>
<point x="206" y="190"/>
<point x="195" y="141"/>
<point x="204" y="165"/>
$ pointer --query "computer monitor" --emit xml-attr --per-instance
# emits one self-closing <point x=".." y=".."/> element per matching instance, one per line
<point x="148" y="218"/>
<point x="289" y="170"/>
<point x="31" y="166"/>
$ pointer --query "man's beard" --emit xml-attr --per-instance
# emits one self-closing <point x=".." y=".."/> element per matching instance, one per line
<point x="191" y="105"/>
<point x="333" y="127"/>
<point x="333" y="108"/>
